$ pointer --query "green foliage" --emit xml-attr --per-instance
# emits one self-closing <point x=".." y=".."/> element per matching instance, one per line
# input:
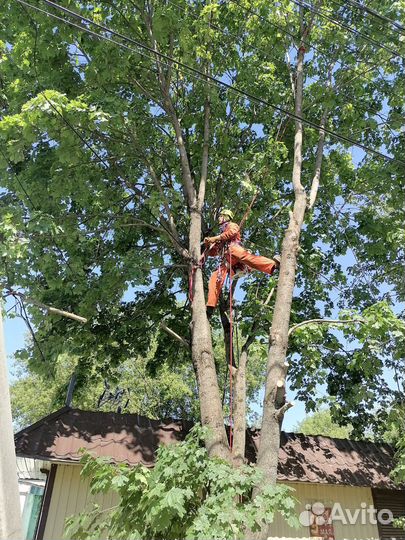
<point x="85" y="234"/>
<point x="321" y="423"/>
<point x="354" y="374"/>
<point x="185" y="495"/>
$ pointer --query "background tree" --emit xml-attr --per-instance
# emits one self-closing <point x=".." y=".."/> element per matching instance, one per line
<point x="321" y="423"/>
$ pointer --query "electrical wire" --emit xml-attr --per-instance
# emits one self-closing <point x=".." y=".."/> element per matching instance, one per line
<point x="375" y="14"/>
<point x="349" y="28"/>
<point x="304" y="41"/>
<point x="160" y="54"/>
<point x="282" y="29"/>
<point x="205" y="77"/>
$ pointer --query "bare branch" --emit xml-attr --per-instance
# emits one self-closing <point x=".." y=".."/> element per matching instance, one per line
<point x="50" y="309"/>
<point x="175" y="336"/>
<point x="324" y="321"/>
<point x="319" y="151"/>
<point x="318" y="161"/>
<point x="204" y="164"/>
<point x="282" y="410"/>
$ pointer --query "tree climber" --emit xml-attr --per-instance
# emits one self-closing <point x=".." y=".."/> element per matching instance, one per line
<point x="229" y="246"/>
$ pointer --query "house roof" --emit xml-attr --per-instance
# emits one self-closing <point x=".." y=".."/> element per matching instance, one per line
<point x="133" y="439"/>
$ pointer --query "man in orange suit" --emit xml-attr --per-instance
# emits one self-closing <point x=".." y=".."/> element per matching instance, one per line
<point x="234" y="257"/>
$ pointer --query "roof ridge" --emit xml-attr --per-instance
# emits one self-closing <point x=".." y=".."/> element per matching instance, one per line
<point x="168" y="419"/>
<point x="50" y="416"/>
<point x="356" y="441"/>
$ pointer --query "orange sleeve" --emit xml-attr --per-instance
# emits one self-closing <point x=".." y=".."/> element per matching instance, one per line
<point x="230" y="232"/>
<point x="213" y="250"/>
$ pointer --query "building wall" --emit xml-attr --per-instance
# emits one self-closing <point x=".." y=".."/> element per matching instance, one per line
<point x="349" y="498"/>
<point x="70" y="496"/>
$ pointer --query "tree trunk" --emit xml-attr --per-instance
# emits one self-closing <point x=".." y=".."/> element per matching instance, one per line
<point x="203" y="356"/>
<point x="201" y="340"/>
<point x="267" y="459"/>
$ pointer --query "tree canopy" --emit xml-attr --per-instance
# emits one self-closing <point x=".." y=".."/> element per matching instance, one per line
<point x="119" y="143"/>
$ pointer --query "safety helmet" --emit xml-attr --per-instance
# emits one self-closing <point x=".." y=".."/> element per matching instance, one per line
<point x="226" y="212"/>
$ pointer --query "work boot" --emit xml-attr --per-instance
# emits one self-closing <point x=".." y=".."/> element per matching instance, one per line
<point x="277" y="260"/>
<point x="210" y="312"/>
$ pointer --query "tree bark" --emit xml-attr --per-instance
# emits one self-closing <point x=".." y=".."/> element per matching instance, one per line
<point x="239" y="435"/>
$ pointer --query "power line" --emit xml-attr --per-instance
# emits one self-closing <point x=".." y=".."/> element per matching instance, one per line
<point x="376" y="14"/>
<point x="283" y="29"/>
<point x="202" y="76"/>
<point x="213" y="79"/>
<point x="348" y="28"/>
<point x="310" y="45"/>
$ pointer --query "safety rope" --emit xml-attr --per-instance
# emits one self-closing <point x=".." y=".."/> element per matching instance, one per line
<point x="230" y="350"/>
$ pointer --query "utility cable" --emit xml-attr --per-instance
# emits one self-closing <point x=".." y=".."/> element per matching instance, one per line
<point x="304" y="41"/>
<point x="375" y="14"/>
<point x="282" y="29"/>
<point x="348" y="28"/>
<point x="206" y="78"/>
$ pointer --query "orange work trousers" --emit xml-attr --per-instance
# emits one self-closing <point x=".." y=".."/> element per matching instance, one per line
<point x="236" y="254"/>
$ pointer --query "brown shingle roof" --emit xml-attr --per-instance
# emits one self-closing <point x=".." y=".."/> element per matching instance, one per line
<point x="133" y="439"/>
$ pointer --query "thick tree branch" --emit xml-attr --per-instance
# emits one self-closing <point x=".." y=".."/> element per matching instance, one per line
<point x="168" y="105"/>
<point x="282" y="410"/>
<point x="324" y="321"/>
<point x="205" y="152"/>
<point x="50" y="309"/>
<point x="175" y="336"/>
<point x="318" y="161"/>
<point x="319" y="151"/>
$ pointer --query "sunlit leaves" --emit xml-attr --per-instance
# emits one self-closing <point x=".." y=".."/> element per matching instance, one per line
<point x="185" y="495"/>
